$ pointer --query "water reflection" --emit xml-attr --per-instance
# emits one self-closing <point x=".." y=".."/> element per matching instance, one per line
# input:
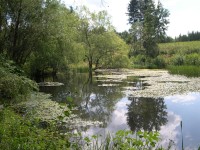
<point x="97" y="103"/>
<point x="146" y="113"/>
<point x="116" y="111"/>
<point x="94" y="102"/>
<point x="171" y="131"/>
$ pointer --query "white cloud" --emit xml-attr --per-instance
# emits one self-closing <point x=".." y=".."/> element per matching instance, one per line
<point x="184" y="14"/>
<point x="183" y="99"/>
<point x="169" y="131"/>
<point x="116" y="9"/>
<point x="118" y="120"/>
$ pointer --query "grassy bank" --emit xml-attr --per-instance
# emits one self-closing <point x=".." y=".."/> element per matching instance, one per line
<point x="182" y="57"/>
<point x="17" y="132"/>
<point x="179" y="47"/>
<point x="189" y="71"/>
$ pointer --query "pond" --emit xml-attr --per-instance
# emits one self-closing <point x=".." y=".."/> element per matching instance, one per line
<point x="134" y="99"/>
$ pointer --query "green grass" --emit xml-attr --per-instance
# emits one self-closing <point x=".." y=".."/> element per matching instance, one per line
<point x="179" y="47"/>
<point x="19" y="133"/>
<point x="189" y="71"/>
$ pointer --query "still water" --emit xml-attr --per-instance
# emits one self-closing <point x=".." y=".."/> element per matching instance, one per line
<point x="103" y="100"/>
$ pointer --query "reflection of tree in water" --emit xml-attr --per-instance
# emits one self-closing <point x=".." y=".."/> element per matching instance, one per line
<point x="146" y="113"/>
<point x="93" y="102"/>
<point x="97" y="102"/>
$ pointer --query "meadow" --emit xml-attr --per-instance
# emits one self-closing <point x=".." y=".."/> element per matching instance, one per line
<point x="181" y="57"/>
<point x="188" y="47"/>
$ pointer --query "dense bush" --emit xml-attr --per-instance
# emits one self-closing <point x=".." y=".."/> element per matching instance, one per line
<point x="193" y="59"/>
<point x="120" y="62"/>
<point x="139" y="60"/>
<point x="159" y="62"/>
<point x="13" y="86"/>
<point x="178" y="60"/>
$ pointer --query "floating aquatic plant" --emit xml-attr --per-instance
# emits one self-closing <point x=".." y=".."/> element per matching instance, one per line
<point x="43" y="108"/>
<point x="160" y="82"/>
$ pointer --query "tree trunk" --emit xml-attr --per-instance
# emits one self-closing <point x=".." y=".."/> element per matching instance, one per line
<point x="90" y="68"/>
<point x="14" y="50"/>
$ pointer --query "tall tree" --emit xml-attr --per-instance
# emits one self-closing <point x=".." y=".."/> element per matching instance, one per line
<point x="136" y="11"/>
<point x="149" y="23"/>
<point x="20" y="21"/>
<point x="57" y="46"/>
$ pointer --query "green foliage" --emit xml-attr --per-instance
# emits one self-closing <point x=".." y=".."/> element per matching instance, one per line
<point x="41" y="34"/>
<point x="126" y="36"/>
<point x="189" y="71"/>
<point x="14" y="87"/>
<point x="159" y="62"/>
<point x="20" y="28"/>
<point x="178" y="60"/>
<point x="191" y="36"/>
<point x="192" y="59"/>
<point x="102" y="45"/>
<point x="141" y="61"/>
<point x="17" y="133"/>
<point x="124" y="140"/>
<point x="144" y="140"/>
<point x="60" y="46"/>
<point x="148" y="26"/>
<point x="183" y="54"/>
<point x="120" y="62"/>
<point x="180" y="48"/>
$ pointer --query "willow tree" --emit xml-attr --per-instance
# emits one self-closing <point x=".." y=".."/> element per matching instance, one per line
<point x="57" y="46"/>
<point x="98" y="37"/>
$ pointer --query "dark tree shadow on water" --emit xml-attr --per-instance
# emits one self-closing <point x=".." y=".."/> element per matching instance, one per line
<point x="146" y="113"/>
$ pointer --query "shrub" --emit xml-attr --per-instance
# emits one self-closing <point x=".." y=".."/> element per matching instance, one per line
<point x="121" y="62"/>
<point x="139" y="60"/>
<point x="178" y="60"/>
<point x="13" y="86"/>
<point x="159" y="62"/>
<point x="17" y="133"/>
<point x="193" y="59"/>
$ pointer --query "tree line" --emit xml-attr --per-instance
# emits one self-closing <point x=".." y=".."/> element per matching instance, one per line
<point x="191" y="36"/>
<point x="45" y="35"/>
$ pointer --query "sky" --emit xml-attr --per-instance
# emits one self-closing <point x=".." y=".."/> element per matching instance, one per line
<point x="184" y="14"/>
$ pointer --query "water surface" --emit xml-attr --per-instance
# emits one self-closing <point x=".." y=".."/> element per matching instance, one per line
<point x="105" y="100"/>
